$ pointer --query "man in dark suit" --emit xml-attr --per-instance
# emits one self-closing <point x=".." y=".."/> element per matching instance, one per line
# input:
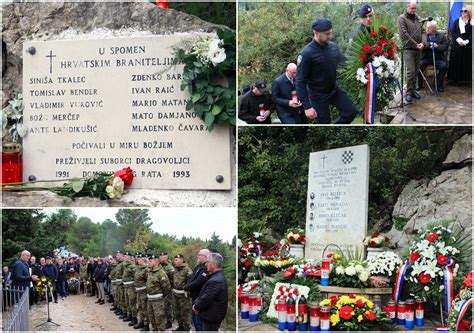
<point x="21" y="277"/>
<point x="288" y="107"/>
<point x="211" y="305"/>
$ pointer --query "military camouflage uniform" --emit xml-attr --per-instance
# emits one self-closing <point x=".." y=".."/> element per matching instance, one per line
<point x="168" y="268"/>
<point x="130" y="293"/>
<point x="181" y="303"/>
<point x="113" y="276"/>
<point x="157" y="287"/>
<point x="140" y="278"/>
<point x="120" y="290"/>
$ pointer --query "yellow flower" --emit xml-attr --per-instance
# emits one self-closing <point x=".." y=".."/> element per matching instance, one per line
<point x="360" y="318"/>
<point x="369" y="304"/>
<point x="337" y="256"/>
<point x="272" y="262"/>
<point x="325" y="302"/>
<point x="284" y="262"/>
<point x="334" y="319"/>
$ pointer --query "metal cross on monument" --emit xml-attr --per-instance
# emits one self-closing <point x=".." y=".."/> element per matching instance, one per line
<point x="50" y="56"/>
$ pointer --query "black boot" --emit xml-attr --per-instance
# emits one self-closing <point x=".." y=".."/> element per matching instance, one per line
<point x="139" y="325"/>
<point x="133" y="322"/>
<point x="128" y="318"/>
<point x="113" y="308"/>
<point x="98" y="301"/>
<point x="123" y="316"/>
<point x="118" y="312"/>
<point x="169" y="325"/>
<point x="146" y="328"/>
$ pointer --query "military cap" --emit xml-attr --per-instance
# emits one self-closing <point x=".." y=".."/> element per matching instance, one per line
<point x="261" y="85"/>
<point x="321" y="25"/>
<point x="152" y="256"/>
<point x="366" y="9"/>
<point x="179" y="256"/>
<point x="163" y="253"/>
<point x="47" y="257"/>
<point x="120" y="251"/>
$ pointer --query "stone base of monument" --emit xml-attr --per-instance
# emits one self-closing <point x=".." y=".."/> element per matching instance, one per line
<point x="297" y="250"/>
<point x="373" y="252"/>
<point x="370" y="293"/>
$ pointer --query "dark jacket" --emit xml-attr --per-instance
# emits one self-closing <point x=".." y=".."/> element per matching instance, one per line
<point x="407" y="24"/>
<point x="249" y="107"/>
<point x="51" y="272"/>
<point x="212" y="301"/>
<point x="99" y="273"/>
<point x="197" y="280"/>
<point x="281" y="95"/>
<point x="440" y="52"/>
<point x="36" y="269"/>
<point x="62" y="272"/>
<point x="21" y="277"/>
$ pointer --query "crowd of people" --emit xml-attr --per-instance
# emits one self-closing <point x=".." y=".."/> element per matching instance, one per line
<point x="146" y="290"/>
<point x="307" y="89"/>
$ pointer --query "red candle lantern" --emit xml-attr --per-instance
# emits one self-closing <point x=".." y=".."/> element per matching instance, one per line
<point x="281" y="308"/>
<point x="253" y="308"/>
<point x="419" y="312"/>
<point x="324" y="318"/>
<point x="244" y="305"/>
<point x="401" y="309"/>
<point x="163" y="4"/>
<point x="410" y="314"/>
<point x="294" y="97"/>
<point x="314" y="317"/>
<point x="291" y="314"/>
<point x="262" y="110"/>
<point x="12" y="167"/>
<point x="392" y="311"/>
<point x="325" y="269"/>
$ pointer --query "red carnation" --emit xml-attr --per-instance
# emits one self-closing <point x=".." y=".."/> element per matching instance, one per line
<point x="442" y="260"/>
<point x="414" y="257"/>
<point x="346" y="312"/>
<point x="378" y="50"/>
<point x="247" y="262"/>
<point x="275" y="246"/>
<point x="264" y="244"/>
<point x="333" y="300"/>
<point x="468" y="280"/>
<point x="372" y="244"/>
<point x="360" y="303"/>
<point x="382" y="42"/>
<point x="432" y="237"/>
<point x="375" y="234"/>
<point x="126" y="175"/>
<point x="373" y="34"/>
<point x="390" y="54"/>
<point x="301" y="239"/>
<point x="363" y="58"/>
<point x="366" y="48"/>
<point x="464" y="325"/>
<point x="370" y="315"/>
<point x="424" y="278"/>
<point x="243" y="253"/>
<point x="352" y="296"/>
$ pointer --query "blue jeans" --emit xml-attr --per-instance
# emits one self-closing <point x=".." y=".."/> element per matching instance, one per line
<point x="62" y="288"/>
<point x="196" y="320"/>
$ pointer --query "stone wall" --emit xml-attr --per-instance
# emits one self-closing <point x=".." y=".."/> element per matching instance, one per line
<point x="95" y="20"/>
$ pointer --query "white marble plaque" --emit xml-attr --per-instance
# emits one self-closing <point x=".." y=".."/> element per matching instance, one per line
<point x="337" y="203"/>
<point x="102" y="105"/>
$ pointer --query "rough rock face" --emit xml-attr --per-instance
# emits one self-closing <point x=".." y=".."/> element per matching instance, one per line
<point x="446" y="197"/>
<point x="44" y="21"/>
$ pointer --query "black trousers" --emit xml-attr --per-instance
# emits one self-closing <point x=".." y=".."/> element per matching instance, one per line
<point x="210" y="325"/>
<point x="337" y="98"/>
<point x="441" y="68"/>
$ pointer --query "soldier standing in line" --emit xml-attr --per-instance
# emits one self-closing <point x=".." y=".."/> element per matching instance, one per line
<point x="140" y="278"/>
<point x="158" y="287"/>
<point x="168" y="267"/>
<point x="131" y="294"/>
<point x="181" y="301"/>
<point x="119" y="285"/>
<point x="127" y="315"/>
<point x="113" y="276"/>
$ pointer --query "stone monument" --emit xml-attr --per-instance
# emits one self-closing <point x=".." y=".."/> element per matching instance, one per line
<point x="337" y="202"/>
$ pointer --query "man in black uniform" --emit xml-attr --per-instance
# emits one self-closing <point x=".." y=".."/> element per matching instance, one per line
<point x="316" y="78"/>
<point x="366" y="15"/>
<point x="256" y="100"/>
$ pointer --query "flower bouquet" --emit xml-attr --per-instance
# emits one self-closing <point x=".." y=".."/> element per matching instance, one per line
<point x="434" y="261"/>
<point x="460" y="316"/>
<point x="376" y="240"/>
<point x="270" y="265"/>
<point x="41" y="285"/>
<point x="103" y="185"/>
<point x="305" y="269"/>
<point x="353" y="313"/>
<point x="373" y="64"/>
<point x="295" y="236"/>
<point x="208" y="58"/>
<point x="382" y="268"/>
<point x="349" y="272"/>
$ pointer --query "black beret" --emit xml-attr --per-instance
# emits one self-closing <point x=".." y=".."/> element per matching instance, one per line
<point x="152" y="256"/>
<point x="163" y="253"/>
<point x="321" y="25"/>
<point x="179" y="256"/>
<point x="366" y="9"/>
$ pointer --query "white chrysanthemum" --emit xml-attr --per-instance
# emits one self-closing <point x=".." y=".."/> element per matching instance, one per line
<point x="359" y="268"/>
<point x="363" y="276"/>
<point x="441" y="288"/>
<point x="257" y="234"/>
<point x="339" y="270"/>
<point x="350" y="270"/>
<point x="427" y="288"/>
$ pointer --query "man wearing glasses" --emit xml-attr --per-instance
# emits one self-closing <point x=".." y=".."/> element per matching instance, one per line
<point x="366" y="15"/>
<point x="196" y="282"/>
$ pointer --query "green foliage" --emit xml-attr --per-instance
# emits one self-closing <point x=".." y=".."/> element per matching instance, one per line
<point x="273" y="168"/>
<point x="214" y="12"/>
<point x="399" y="223"/>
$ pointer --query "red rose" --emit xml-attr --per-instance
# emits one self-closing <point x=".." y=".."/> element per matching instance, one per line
<point x="372" y="244"/>
<point x="424" y="278"/>
<point x="464" y="325"/>
<point x="243" y="253"/>
<point x="346" y="312"/>
<point x="291" y="238"/>
<point x="390" y="54"/>
<point x="366" y="48"/>
<point x="333" y="300"/>
<point x="352" y="296"/>
<point x="432" y="237"/>
<point x="329" y="255"/>
<point x="264" y="244"/>
<point x="370" y="315"/>
<point x="375" y="234"/>
<point x="468" y="280"/>
<point x="126" y="174"/>
<point x="382" y="42"/>
<point x="301" y="239"/>
<point x="373" y="34"/>
<point x="442" y="260"/>
<point x="378" y="50"/>
<point x="247" y="262"/>
<point x="360" y="303"/>
<point x="363" y="58"/>
<point x="414" y="257"/>
<point x="275" y="246"/>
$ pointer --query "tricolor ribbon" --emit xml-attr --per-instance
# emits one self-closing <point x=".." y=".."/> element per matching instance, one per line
<point x="371" y="96"/>
<point x="448" y="278"/>
<point x="462" y="311"/>
<point x="397" y="291"/>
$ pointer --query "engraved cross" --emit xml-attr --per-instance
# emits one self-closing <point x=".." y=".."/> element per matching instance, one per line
<point x="324" y="159"/>
<point x="50" y="56"/>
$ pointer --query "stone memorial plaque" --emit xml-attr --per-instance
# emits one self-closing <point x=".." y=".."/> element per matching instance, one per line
<point x="337" y="203"/>
<point x="102" y="105"/>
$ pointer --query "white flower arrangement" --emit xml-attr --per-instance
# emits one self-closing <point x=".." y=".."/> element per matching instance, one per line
<point x="354" y="268"/>
<point x="385" y="263"/>
<point x="209" y="50"/>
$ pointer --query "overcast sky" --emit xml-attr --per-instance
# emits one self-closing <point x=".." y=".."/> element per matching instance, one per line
<point x="197" y="222"/>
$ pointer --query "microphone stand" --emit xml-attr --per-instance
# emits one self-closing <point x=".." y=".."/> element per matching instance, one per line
<point x="403" y="65"/>
<point x="49" y="320"/>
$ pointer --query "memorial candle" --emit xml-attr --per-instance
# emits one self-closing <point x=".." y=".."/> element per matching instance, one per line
<point x="253" y="308"/>
<point x="281" y="308"/>
<point x="314" y="317"/>
<point x="325" y="268"/>
<point x="12" y="167"/>
<point x="324" y="318"/>
<point x="410" y="314"/>
<point x="244" y="305"/>
<point x="419" y="312"/>
<point x="401" y="309"/>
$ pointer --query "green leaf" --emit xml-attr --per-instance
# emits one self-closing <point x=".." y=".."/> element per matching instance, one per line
<point x="196" y="97"/>
<point x="209" y="119"/>
<point x="77" y="185"/>
<point x="216" y="109"/>
<point x="189" y="105"/>
<point x="210" y="100"/>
